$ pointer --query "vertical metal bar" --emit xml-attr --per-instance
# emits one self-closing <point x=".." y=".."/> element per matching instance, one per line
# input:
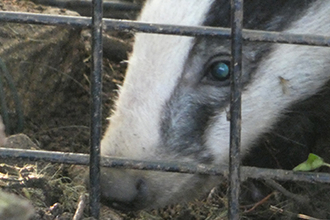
<point x="235" y="107"/>
<point x="96" y="88"/>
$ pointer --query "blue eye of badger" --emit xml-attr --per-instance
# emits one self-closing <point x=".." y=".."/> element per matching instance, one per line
<point x="220" y="70"/>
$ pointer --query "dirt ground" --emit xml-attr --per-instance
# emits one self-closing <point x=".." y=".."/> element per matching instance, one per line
<point x="50" y="67"/>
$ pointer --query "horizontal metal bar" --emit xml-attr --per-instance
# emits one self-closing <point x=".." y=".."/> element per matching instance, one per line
<point x="115" y="5"/>
<point x="124" y="25"/>
<point x="83" y="159"/>
<point x="46" y="19"/>
<point x="283" y="175"/>
<point x="47" y="156"/>
<point x="248" y="35"/>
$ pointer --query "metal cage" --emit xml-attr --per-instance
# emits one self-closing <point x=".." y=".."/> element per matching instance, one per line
<point x="96" y="23"/>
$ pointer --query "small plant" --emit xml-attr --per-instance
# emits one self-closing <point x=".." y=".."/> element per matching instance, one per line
<point x="313" y="162"/>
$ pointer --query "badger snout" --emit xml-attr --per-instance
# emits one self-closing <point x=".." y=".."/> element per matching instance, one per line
<point x="123" y="189"/>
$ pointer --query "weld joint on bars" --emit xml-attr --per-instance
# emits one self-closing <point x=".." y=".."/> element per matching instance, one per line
<point x="124" y="25"/>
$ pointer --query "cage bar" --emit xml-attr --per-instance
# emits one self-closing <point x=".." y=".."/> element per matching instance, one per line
<point x="96" y="105"/>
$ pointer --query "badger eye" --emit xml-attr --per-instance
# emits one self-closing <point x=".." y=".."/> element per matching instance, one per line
<point x="219" y="70"/>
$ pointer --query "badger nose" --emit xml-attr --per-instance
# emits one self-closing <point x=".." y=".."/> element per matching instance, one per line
<point x="123" y="189"/>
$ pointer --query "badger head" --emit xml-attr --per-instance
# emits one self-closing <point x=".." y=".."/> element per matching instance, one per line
<point x="174" y="101"/>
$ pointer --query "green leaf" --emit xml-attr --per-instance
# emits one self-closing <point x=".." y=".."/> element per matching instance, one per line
<point x="313" y="162"/>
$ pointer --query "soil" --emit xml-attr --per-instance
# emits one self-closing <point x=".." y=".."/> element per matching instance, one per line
<point x="50" y="68"/>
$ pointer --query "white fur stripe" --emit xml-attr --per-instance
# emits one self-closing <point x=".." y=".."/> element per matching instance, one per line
<point x="154" y="70"/>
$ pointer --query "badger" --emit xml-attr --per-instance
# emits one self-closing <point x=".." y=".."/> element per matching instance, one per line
<point x="173" y="105"/>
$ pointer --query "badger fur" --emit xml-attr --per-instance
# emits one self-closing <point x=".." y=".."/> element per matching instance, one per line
<point x="173" y="104"/>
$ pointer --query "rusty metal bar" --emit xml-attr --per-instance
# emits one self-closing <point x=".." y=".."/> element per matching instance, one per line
<point x="83" y="159"/>
<point x="235" y="108"/>
<point x="115" y="5"/>
<point x="113" y="24"/>
<point x="96" y="107"/>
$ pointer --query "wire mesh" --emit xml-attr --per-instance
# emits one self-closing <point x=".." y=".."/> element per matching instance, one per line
<point x="97" y="24"/>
